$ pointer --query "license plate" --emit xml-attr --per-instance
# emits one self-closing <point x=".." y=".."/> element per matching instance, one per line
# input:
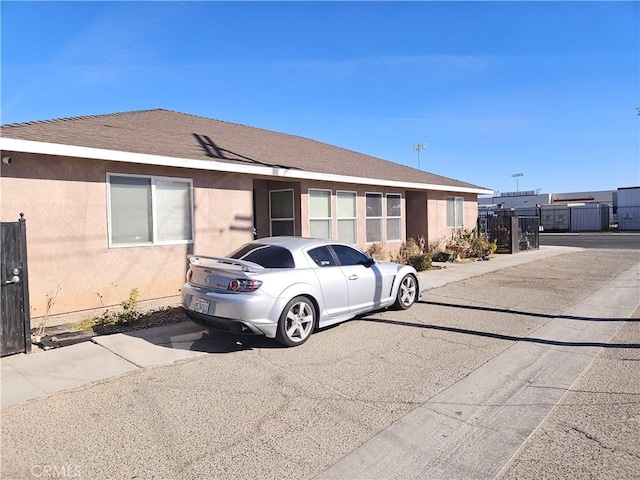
<point x="201" y="306"/>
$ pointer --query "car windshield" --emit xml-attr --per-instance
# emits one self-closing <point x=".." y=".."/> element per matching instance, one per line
<point x="268" y="256"/>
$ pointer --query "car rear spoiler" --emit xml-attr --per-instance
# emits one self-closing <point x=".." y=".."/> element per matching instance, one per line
<point x="197" y="260"/>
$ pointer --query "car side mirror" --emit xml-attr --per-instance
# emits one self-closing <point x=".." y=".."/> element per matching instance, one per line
<point x="369" y="262"/>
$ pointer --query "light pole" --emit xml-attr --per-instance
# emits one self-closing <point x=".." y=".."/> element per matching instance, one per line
<point x="517" y="176"/>
<point x="417" y="147"/>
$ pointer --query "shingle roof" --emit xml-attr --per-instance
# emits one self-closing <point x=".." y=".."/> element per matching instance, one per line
<point x="174" y="134"/>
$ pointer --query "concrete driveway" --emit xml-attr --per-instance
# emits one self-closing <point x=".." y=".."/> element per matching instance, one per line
<point x="523" y="371"/>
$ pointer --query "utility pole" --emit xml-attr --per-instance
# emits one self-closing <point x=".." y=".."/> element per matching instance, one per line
<point x="417" y="147"/>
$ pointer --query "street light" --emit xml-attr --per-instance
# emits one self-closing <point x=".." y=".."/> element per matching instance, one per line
<point x="517" y="176"/>
<point x="417" y="147"/>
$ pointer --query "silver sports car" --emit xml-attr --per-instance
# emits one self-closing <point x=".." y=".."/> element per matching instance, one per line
<point x="285" y="287"/>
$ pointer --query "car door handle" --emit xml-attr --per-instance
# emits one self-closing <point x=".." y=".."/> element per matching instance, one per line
<point x="354" y="277"/>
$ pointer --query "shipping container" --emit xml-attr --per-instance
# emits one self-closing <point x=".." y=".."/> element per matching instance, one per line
<point x="628" y="209"/>
<point x="555" y="218"/>
<point x="589" y="218"/>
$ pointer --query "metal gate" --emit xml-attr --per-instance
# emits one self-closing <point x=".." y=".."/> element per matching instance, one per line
<point x="512" y="234"/>
<point x="15" y="335"/>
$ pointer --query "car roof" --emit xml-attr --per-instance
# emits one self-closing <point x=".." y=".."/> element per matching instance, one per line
<point x="296" y="243"/>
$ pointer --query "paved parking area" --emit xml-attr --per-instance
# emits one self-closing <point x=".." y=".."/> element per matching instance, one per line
<point x="242" y="407"/>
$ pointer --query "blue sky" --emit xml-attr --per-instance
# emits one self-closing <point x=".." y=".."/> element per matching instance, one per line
<point x="547" y="89"/>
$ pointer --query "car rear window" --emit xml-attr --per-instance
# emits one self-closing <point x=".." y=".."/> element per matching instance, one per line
<point x="268" y="256"/>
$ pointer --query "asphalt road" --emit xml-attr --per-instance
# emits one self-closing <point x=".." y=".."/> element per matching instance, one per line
<point x="251" y="409"/>
<point x="610" y="240"/>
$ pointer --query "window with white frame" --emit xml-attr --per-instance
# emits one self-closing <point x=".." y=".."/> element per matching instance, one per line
<point x="347" y="217"/>
<point x="281" y="212"/>
<point x="373" y="217"/>
<point x="455" y="211"/>
<point x="319" y="213"/>
<point x="394" y="217"/>
<point x="149" y="210"/>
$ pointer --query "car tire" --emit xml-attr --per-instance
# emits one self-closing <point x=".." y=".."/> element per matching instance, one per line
<point x="407" y="292"/>
<point x="297" y="321"/>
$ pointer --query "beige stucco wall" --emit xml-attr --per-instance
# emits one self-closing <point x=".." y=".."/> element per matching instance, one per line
<point x="425" y="211"/>
<point x="65" y="205"/>
<point x="391" y="247"/>
<point x="437" y="229"/>
<point x="301" y="207"/>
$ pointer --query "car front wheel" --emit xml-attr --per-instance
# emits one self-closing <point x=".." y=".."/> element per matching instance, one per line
<point x="296" y="323"/>
<point x="407" y="292"/>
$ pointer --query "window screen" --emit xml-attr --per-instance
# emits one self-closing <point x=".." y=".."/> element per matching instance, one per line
<point x="347" y="220"/>
<point x="455" y="206"/>
<point x="149" y="210"/>
<point x="394" y="217"/>
<point x="373" y="217"/>
<point x="131" y="212"/>
<point x="173" y="209"/>
<point x="320" y="213"/>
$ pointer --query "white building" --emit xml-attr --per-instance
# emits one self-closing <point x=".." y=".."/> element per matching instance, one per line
<point x="572" y="211"/>
<point x="530" y="199"/>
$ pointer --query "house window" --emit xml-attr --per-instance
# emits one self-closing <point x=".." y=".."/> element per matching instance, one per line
<point x="319" y="213"/>
<point x="281" y="212"/>
<point x="347" y="217"/>
<point x="394" y="217"/>
<point x="373" y="217"/>
<point x="455" y="211"/>
<point x="149" y="210"/>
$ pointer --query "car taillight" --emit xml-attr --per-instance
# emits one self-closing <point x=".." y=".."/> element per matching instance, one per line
<point x="244" y="285"/>
<point x="189" y="275"/>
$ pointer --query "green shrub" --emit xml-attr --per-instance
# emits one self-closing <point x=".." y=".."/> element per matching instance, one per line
<point x="130" y="314"/>
<point x="420" y="262"/>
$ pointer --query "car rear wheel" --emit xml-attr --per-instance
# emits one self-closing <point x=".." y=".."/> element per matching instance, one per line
<point x="407" y="292"/>
<point x="296" y="323"/>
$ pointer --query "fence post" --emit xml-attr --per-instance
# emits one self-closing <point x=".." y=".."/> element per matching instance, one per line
<point x="25" y="283"/>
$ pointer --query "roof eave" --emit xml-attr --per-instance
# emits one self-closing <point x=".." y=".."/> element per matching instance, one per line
<point x="57" y="149"/>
